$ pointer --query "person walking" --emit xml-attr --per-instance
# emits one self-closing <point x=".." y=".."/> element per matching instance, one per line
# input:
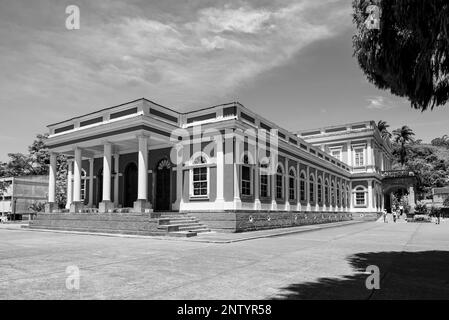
<point x="438" y="217"/>
<point x="395" y="215"/>
<point x="385" y="215"/>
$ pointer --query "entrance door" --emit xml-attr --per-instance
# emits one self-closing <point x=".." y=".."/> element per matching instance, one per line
<point x="163" y="177"/>
<point x="130" y="190"/>
<point x="99" y="180"/>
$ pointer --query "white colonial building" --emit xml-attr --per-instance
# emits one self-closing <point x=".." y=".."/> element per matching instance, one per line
<point x="226" y="165"/>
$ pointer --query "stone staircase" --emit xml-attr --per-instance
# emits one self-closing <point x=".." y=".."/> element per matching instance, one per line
<point x="175" y="223"/>
<point x="172" y="224"/>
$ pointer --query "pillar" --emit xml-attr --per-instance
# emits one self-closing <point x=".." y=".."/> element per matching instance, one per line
<point x="106" y="204"/>
<point x="286" y="184"/>
<point x="220" y="169"/>
<point x="257" y="204"/>
<point x="76" y="206"/>
<point x="91" y="183"/>
<point x="411" y="198"/>
<point x="307" y="189"/>
<point x="238" y="151"/>
<point x="51" y="205"/>
<point x="116" y="179"/>
<point x="349" y="152"/>
<point x="370" y="195"/>
<point x="142" y="204"/>
<point x="69" y="196"/>
<point x="298" y="189"/>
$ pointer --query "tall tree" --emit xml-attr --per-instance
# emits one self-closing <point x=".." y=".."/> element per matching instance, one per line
<point x="383" y="129"/>
<point x="403" y="136"/>
<point x="406" y="50"/>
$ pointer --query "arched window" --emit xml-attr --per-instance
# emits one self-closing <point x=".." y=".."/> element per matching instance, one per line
<point x="264" y="181"/>
<point x="292" y="184"/>
<point x="348" y="196"/>
<point x="360" y="196"/>
<point x="246" y="177"/>
<point x="320" y="190"/>
<point x="199" y="177"/>
<point x="338" y="194"/>
<point x="302" y="186"/>
<point x="312" y="188"/>
<point x="326" y="191"/>
<point x="333" y="193"/>
<point x="279" y="182"/>
<point x="83" y="184"/>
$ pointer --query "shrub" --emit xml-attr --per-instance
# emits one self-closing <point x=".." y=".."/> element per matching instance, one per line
<point x="420" y="208"/>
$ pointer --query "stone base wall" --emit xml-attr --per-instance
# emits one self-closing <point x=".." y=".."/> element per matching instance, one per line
<point x="108" y="223"/>
<point x="240" y="221"/>
<point x="366" y="216"/>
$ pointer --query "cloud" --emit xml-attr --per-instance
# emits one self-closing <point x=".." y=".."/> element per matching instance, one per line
<point x="380" y="103"/>
<point x="184" y="61"/>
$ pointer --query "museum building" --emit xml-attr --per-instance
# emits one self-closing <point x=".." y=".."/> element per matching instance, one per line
<point x="227" y="166"/>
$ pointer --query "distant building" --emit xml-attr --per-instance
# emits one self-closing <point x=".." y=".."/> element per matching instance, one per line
<point x="439" y="195"/>
<point x="21" y="193"/>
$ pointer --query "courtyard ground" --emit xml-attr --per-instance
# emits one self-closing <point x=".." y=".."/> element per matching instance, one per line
<point x="328" y="263"/>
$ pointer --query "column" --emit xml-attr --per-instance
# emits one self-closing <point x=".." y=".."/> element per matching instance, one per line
<point x="307" y="181"/>
<point x="411" y="198"/>
<point x="142" y="204"/>
<point x="69" y="184"/>
<point x="116" y="178"/>
<point x="91" y="183"/>
<point x="106" y="205"/>
<point x="76" y="206"/>
<point x="220" y="168"/>
<point x="369" y="155"/>
<point x="298" y="191"/>
<point x="51" y="205"/>
<point x="370" y="195"/>
<point x="257" y="204"/>
<point x="349" y="153"/>
<point x="238" y="151"/>
<point x="286" y="183"/>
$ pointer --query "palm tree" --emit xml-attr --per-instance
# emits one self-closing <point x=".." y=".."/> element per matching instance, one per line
<point x="403" y="136"/>
<point x="383" y="129"/>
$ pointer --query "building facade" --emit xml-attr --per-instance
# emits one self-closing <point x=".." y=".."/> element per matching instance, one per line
<point x="223" y="163"/>
<point x="21" y="193"/>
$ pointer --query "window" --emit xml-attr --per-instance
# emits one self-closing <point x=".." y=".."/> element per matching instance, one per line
<point x="200" y="177"/>
<point x="292" y="185"/>
<point x="83" y="184"/>
<point x="336" y="153"/>
<point x="332" y="193"/>
<point x="326" y="191"/>
<point x="359" y="160"/>
<point x="360" y="196"/>
<point x="264" y="181"/>
<point x="279" y="183"/>
<point x="320" y="190"/>
<point x="312" y="188"/>
<point x="348" y="196"/>
<point x="338" y="194"/>
<point x="302" y="187"/>
<point x="246" y="177"/>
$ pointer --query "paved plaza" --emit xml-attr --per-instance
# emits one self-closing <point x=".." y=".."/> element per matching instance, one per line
<point x="328" y="263"/>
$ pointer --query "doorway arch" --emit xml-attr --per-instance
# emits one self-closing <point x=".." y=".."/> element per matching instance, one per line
<point x="163" y="185"/>
<point x="130" y="187"/>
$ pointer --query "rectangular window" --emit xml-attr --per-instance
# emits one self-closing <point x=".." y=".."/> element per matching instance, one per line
<point x="279" y="186"/>
<point x="83" y="189"/>
<point x="291" y="190"/>
<point x="360" y="198"/>
<point x="311" y="192"/>
<point x="246" y="181"/>
<point x="200" y="181"/>
<point x="359" y="160"/>
<point x="264" y="185"/>
<point x="302" y="186"/>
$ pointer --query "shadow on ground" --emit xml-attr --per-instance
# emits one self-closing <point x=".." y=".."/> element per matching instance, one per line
<point x="403" y="275"/>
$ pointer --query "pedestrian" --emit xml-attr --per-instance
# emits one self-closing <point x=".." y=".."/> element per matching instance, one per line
<point x="438" y="217"/>
<point x="385" y="215"/>
<point x="395" y="215"/>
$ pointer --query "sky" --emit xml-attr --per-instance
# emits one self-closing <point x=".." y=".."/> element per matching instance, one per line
<point x="288" y="60"/>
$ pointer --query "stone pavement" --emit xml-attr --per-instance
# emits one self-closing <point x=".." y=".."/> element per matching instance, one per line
<point x="326" y="263"/>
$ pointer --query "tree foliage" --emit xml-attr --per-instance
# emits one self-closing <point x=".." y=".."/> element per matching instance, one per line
<point x="403" y="137"/>
<point x="408" y="54"/>
<point x="36" y="162"/>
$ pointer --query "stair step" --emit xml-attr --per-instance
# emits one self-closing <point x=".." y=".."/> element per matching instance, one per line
<point x="198" y="227"/>
<point x="186" y="234"/>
